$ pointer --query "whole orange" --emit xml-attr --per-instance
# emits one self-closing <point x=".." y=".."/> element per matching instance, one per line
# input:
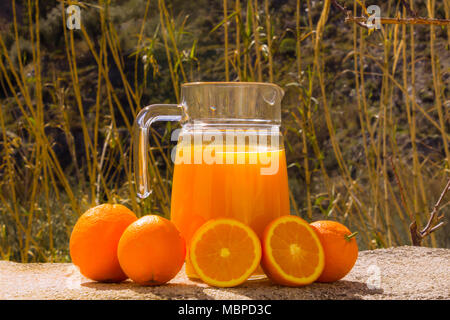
<point x="339" y="245"/>
<point x="151" y="250"/>
<point x="94" y="241"/>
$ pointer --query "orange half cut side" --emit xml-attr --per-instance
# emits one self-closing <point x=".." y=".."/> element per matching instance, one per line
<point x="292" y="252"/>
<point x="225" y="252"/>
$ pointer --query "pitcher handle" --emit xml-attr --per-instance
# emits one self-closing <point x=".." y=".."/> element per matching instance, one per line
<point x="144" y="120"/>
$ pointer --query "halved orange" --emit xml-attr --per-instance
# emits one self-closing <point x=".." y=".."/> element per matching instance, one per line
<point x="225" y="252"/>
<point x="292" y="253"/>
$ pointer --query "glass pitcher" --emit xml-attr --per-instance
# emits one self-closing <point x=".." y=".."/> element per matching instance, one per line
<point x="229" y="160"/>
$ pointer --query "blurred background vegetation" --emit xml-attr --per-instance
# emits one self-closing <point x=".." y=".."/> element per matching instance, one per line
<point x="358" y="104"/>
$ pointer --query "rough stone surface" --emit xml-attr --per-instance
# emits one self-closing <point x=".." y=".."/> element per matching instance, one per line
<point x="394" y="273"/>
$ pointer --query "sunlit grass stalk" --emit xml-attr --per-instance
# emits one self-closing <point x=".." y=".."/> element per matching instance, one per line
<point x="311" y="26"/>
<point x="318" y="68"/>
<point x="404" y="90"/>
<point x="16" y="37"/>
<point x="97" y="124"/>
<point x="370" y="129"/>
<point x="447" y="16"/>
<point x="40" y="148"/>
<point x="71" y="57"/>
<point x="383" y="219"/>
<point x="436" y="85"/>
<point x="249" y="71"/>
<point x="269" y="39"/>
<point x="44" y="159"/>
<point x="125" y="162"/>
<point x="417" y="180"/>
<point x="298" y="40"/>
<point x="363" y="217"/>
<point x="11" y="181"/>
<point x="112" y="98"/>
<point x="238" y="53"/>
<point x="302" y="122"/>
<point x="358" y="61"/>
<point x="32" y="128"/>
<point x="257" y="43"/>
<point x="48" y="213"/>
<point x="114" y="44"/>
<point x="170" y="26"/>
<point x="312" y="135"/>
<point x="225" y="32"/>
<point x="59" y="100"/>
<point x="131" y="97"/>
<point x="437" y="94"/>
<point x="408" y="114"/>
<point x="173" y="74"/>
<point x="136" y="58"/>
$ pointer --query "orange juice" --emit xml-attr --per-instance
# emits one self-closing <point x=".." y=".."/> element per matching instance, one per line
<point x="203" y="191"/>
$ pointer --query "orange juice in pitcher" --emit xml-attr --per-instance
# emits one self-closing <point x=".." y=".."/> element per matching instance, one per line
<point x="230" y="159"/>
<point x="232" y="186"/>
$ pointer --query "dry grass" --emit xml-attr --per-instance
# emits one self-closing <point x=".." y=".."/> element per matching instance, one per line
<point x="336" y="171"/>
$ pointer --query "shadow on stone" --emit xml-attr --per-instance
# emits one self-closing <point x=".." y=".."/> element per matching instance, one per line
<point x="343" y="289"/>
<point x="255" y="289"/>
<point x="165" y="291"/>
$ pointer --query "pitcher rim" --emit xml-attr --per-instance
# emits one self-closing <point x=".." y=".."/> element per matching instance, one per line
<point x="188" y="84"/>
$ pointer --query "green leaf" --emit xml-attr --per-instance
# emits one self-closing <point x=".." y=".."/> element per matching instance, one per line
<point x="249" y="22"/>
<point x="192" y="53"/>
<point x="223" y="21"/>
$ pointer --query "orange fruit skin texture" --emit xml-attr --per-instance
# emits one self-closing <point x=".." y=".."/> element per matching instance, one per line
<point x="94" y="241"/>
<point x="151" y="251"/>
<point x="270" y="270"/>
<point x="340" y="253"/>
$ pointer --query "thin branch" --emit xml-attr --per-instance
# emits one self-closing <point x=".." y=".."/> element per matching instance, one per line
<point x="425" y="21"/>
<point x="348" y="13"/>
<point x="417" y="236"/>
<point x="362" y="21"/>
<point x="436" y="227"/>
<point x="435" y="209"/>
<point x="342" y="8"/>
